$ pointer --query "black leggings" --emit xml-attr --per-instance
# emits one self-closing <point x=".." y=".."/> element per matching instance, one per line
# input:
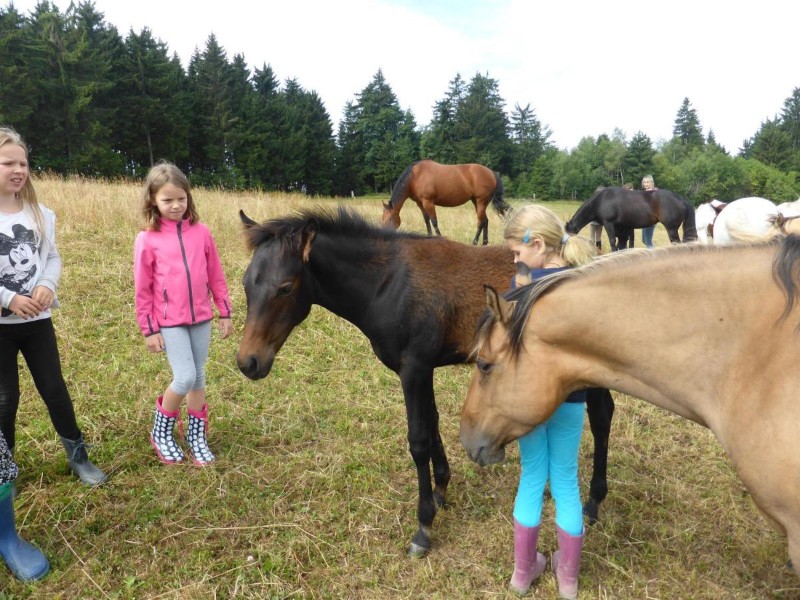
<point x="37" y="342"/>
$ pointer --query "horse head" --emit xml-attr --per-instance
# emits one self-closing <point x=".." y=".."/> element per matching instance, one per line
<point x="391" y="216"/>
<point x="277" y="300"/>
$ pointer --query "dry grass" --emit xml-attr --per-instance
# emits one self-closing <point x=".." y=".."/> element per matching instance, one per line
<point x="314" y="492"/>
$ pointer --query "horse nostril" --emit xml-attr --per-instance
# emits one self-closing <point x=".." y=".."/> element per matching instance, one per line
<point x="249" y="367"/>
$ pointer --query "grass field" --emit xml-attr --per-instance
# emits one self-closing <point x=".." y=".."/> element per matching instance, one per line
<point x="314" y="492"/>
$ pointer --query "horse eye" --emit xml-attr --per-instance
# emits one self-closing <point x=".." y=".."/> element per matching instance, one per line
<point x="484" y="367"/>
<point x="284" y="289"/>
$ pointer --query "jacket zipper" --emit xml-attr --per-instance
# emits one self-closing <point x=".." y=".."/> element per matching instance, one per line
<point x="186" y="268"/>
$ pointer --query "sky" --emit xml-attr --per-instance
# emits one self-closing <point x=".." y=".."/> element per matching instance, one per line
<point x="586" y="68"/>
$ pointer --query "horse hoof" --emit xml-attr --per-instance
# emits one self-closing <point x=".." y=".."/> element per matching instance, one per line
<point x="591" y="510"/>
<point x="417" y="551"/>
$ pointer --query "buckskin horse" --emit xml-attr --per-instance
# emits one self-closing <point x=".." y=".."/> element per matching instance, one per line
<point x="615" y="208"/>
<point x="740" y="304"/>
<point x="416" y="298"/>
<point x="431" y="184"/>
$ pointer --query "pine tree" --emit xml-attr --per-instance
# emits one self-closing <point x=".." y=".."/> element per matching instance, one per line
<point x="481" y="129"/>
<point x="528" y="137"/>
<point x="687" y="126"/>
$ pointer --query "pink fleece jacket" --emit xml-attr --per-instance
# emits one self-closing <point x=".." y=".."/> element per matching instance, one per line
<point x="176" y="271"/>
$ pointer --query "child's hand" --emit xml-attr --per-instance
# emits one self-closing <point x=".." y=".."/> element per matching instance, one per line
<point x="155" y="342"/>
<point x="44" y="296"/>
<point x="225" y="327"/>
<point x="25" y="306"/>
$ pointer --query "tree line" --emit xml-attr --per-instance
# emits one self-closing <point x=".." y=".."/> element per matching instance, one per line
<point x="94" y="103"/>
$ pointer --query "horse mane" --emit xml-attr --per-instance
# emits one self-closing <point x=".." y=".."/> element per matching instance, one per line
<point x="339" y="221"/>
<point x="400" y="190"/>
<point x="785" y="271"/>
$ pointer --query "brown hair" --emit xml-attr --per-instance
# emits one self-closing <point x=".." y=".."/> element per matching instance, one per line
<point x="160" y="175"/>
<point x="27" y="195"/>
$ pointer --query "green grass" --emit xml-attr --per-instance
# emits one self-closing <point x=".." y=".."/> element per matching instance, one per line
<point x="314" y="492"/>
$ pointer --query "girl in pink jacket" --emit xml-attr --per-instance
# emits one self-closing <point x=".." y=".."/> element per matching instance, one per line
<point x="177" y="272"/>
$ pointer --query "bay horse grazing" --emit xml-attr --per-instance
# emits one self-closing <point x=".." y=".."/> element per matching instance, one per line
<point x="416" y="298"/>
<point x="615" y="208"/>
<point x="431" y="184"/>
<point x="741" y="304"/>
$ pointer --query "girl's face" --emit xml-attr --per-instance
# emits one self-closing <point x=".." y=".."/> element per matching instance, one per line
<point x="171" y="202"/>
<point x="532" y="255"/>
<point x="647" y="184"/>
<point x="13" y="170"/>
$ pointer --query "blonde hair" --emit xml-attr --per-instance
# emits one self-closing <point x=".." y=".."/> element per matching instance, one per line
<point x="27" y="195"/>
<point x="536" y="221"/>
<point x="649" y="179"/>
<point x="160" y="175"/>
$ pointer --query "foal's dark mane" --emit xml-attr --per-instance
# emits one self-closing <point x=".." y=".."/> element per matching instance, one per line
<point x="785" y="272"/>
<point x="341" y="221"/>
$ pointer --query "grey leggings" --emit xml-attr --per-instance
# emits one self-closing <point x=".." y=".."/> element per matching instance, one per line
<point x="187" y="353"/>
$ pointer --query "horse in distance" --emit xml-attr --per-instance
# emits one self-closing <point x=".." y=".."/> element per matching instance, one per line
<point x="745" y="220"/>
<point x="431" y="184"/>
<point x="617" y="209"/>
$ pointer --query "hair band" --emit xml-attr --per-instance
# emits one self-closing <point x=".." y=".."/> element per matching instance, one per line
<point x="527" y="237"/>
<point x="564" y="239"/>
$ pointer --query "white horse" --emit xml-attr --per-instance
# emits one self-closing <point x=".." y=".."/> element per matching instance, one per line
<point x="790" y="209"/>
<point x="745" y="220"/>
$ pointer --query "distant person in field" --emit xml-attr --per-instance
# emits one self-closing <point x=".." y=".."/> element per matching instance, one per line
<point x="30" y="268"/>
<point x="177" y="272"/>
<point x="24" y="559"/>
<point x="648" y="185"/>
<point x="548" y="453"/>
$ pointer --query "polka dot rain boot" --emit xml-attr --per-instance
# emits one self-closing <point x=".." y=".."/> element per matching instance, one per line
<point x="161" y="437"/>
<point x="196" y="437"/>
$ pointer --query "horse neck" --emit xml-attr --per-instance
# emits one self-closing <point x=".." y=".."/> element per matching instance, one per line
<point x="586" y="213"/>
<point x="711" y="295"/>
<point x="343" y="274"/>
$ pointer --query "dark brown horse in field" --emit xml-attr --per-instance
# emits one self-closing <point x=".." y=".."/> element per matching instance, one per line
<point x="431" y="184"/>
<point x="416" y="298"/>
<point x="619" y="210"/>
<point x="723" y="332"/>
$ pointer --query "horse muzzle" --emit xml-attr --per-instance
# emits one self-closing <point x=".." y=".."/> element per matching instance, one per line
<point x="480" y="448"/>
<point x="253" y="367"/>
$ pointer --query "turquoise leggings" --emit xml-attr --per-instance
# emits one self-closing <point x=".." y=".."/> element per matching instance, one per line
<point x="550" y="452"/>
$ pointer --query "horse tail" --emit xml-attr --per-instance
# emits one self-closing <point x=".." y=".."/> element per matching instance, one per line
<point x="400" y="190"/>
<point x="689" y="227"/>
<point x="786" y="271"/>
<point x="498" y="201"/>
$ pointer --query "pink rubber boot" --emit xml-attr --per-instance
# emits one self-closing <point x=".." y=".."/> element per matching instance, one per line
<point x="567" y="563"/>
<point x="528" y="563"/>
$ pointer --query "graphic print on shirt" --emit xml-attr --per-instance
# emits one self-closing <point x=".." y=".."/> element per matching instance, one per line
<point x="18" y="261"/>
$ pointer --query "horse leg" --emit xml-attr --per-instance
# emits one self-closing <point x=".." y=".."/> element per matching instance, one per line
<point x="426" y="218"/>
<point x="612" y="236"/>
<point x="420" y="412"/>
<point x="429" y="210"/>
<point x="441" y="468"/>
<point x="600" y="407"/>
<point x="674" y="237"/>
<point x="483" y="222"/>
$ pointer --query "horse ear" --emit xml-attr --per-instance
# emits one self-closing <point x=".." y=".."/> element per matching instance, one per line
<point x="307" y="237"/>
<point x="501" y="307"/>
<point x="247" y="221"/>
